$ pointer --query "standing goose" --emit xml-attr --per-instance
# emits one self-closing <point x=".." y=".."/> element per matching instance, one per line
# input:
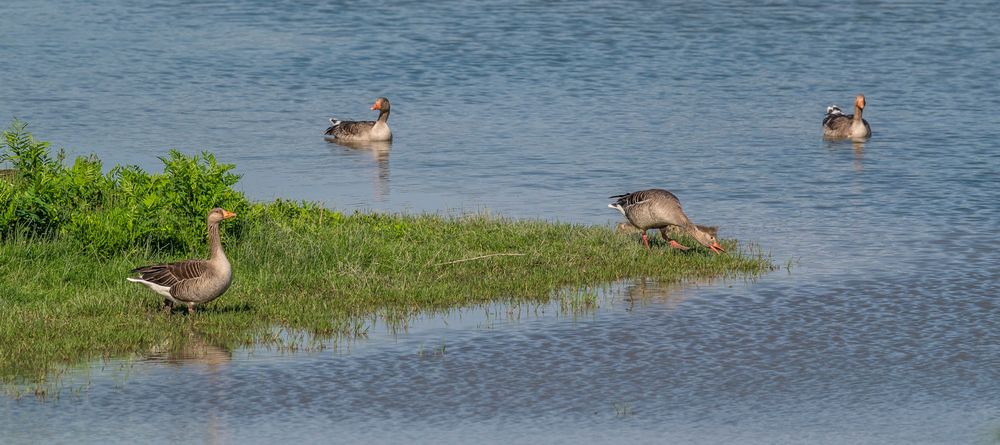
<point x="660" y="209"/>
<point x="836" y="124"/>
<point x="349" y="131"/>
<point x="192" y="282"/>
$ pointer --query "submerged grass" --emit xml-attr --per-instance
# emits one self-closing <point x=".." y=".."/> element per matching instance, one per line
<point x="323" y="273"/>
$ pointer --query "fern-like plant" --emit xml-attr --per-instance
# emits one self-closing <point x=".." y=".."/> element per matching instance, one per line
<point x="127" y="208"/>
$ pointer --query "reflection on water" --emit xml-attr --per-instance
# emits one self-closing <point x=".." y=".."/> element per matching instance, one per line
<point x="644" y="291"/>
<point x="857" y="149"/>
<point x="859" y="154"/>
<point x="379" y="151"/>
<point x="195" y="348"/>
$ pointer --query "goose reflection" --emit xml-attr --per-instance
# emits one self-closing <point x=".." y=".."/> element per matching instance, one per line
<point x="644" y="290"/>
<point x="857" y="145"/>
<point x="379" y="151"/>
<point x="194" y="348"/>
<point x="859" y="154"/>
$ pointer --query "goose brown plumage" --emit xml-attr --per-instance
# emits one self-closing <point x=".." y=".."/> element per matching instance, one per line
<point x="660" y="209"/>
<point x="836" y="124"/>
<point x="349" y="131"/>
<point x="192" y="282"/>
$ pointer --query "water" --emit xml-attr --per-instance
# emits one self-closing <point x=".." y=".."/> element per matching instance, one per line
<point x="885" y="331"/>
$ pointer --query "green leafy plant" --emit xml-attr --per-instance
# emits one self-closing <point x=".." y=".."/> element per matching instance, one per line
<point x="127" y="208"/>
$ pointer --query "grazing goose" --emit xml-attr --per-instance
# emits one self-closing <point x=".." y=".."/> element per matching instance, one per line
<point x="192" y="282"/>
<point x="349" y="131"/>
<point x="836" y="124"/>
<point x="660" y="209"/>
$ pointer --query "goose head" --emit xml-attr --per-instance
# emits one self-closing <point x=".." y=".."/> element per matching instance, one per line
<point x="218" y="214"/>
<point x="859" y="101"/>
<point x="381" y="104"/>
<point x="708" y="240"/>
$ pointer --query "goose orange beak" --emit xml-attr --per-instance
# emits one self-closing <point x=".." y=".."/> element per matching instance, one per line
<point x="716" y="247"/>
<point x="376" y="106"/>
<point x="226" y="214"/>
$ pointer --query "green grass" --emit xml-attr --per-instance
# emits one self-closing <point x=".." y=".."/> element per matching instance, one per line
<point x="321" y="272"/>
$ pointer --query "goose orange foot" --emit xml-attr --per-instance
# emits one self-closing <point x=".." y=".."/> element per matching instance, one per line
<point x="677" y="245"/>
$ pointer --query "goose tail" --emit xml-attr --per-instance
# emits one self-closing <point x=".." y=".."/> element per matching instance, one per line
<point x="617" y="207"/>
<point x="334" y="122"/>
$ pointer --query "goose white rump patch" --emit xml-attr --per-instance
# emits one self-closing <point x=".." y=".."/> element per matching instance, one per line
<point x="162" y="290"/>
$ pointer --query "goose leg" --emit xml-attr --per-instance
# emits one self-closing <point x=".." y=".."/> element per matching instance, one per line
<point x="645" y="240"/>
<point x="677" y="245"/>
<point x="190" y="308"/>
<point x="673" y="243"/>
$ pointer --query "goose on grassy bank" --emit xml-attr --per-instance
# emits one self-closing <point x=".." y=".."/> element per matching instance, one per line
<point x="192" y="282"/>
<point x="660" y="209"/>
<point x="352" y="131"/>
<point x="836" y="124"/>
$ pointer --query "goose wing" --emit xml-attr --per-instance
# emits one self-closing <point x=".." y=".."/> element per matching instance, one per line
<point x="170" y="274"/>
<point x="349" y="128"/>
<point x="633" y="199"/>
<point x="837" y="122"/>
<point x="628" y="200"/>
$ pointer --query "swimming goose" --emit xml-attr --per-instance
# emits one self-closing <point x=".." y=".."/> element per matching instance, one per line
<point x="192" y="282"/>
<point x="836" y="124"/>
<point x="660" y="209"/>
<point x="377" y="130"/>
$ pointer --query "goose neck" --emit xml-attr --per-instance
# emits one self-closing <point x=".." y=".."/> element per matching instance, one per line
<point x="214" y="242"/>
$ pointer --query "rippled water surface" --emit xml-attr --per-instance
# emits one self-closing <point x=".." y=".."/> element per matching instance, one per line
<point x="884" y="331"/>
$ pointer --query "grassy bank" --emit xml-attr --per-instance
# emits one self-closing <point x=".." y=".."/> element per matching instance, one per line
<point x="296" y="266"/>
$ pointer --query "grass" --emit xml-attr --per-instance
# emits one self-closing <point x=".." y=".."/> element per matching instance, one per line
<point x="323" y="273"/>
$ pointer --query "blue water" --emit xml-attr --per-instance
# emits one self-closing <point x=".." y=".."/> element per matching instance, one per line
<point x="884" y="331"/>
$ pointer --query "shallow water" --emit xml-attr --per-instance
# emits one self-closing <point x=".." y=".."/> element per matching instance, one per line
<point x="884" y="331"/>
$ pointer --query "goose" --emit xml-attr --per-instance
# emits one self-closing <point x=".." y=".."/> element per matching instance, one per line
<point x="192" y="282"/>
<point x="349" y="131"/>
<point x="660" y="209"/>
<point x="836" y="124"/>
